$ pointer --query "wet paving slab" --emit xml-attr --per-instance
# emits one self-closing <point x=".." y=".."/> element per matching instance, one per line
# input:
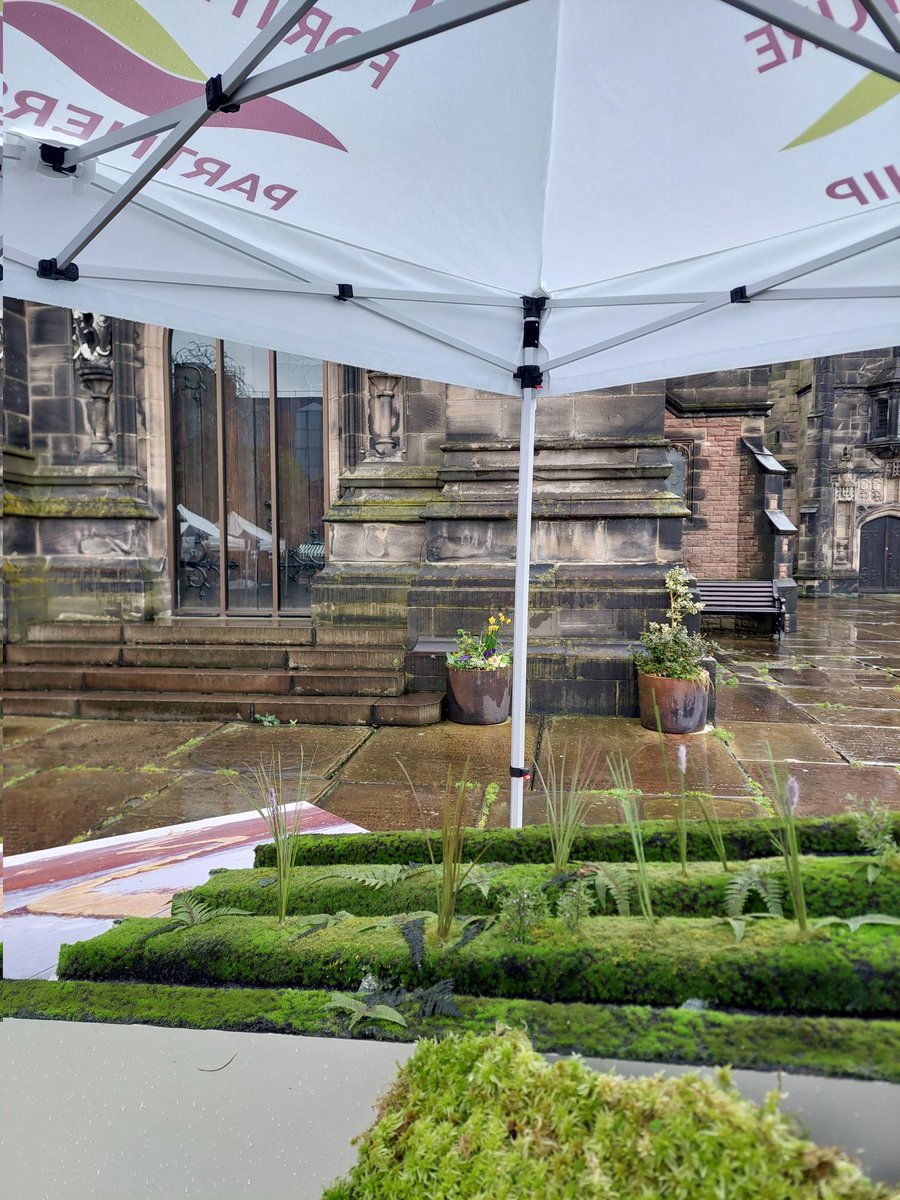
<point x="808" y="697"/>
<point x="756" y="702"/>
<point x="754" y="740"/>
<point x="144" y="773"/>
<point x="865" y="744"/>
<point x="320" y="749"/>
<point x="50" y="808"/>
<point x="122" y="744"/>
<point x="711" y="767"/>
<point x="831" y="677"/>
<point x="427" y="754"/>
<point x="193" y="796"/>
<point x="24" y="729"/>
<point x="843" y="714"/>
<point x="826" y="788"/>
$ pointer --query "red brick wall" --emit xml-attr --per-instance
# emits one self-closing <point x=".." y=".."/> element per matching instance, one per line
<point x="712" y="538"/>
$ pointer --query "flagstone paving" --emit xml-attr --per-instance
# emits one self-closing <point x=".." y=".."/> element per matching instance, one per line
<point x="827" y="701"/>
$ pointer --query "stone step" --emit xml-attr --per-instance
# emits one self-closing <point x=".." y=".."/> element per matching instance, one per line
<point x="233" y="632"/>
<point x="212" y="682"/>
<point x="246" y="657"/>
<point x="339" y="683"/>
<point x="260" y="632"/>
<point x="64" y="654"/>
<point x="76" y="631"/>
<point x="414" y="709"/>
<point x="40" y="679"/>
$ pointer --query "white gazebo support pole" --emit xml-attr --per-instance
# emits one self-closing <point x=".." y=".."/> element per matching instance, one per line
<point x="531" y="379"/>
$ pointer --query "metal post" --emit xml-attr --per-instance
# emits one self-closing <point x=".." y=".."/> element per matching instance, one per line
<point x="531" y="382"/>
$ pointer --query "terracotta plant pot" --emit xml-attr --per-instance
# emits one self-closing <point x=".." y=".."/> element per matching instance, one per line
<point x="478" y="697"/>
<point x="681" y="703"/>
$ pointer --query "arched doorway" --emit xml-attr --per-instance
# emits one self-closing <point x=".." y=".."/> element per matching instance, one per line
<point x="246" y="456"/>
<point x="879" y="555"/>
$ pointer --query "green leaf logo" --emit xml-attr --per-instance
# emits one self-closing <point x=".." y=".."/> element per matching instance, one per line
<point x="867" y="95"/>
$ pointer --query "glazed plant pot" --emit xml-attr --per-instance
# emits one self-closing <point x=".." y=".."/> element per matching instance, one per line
<point x="478" y="697"/>
<point x="682" y="703"/>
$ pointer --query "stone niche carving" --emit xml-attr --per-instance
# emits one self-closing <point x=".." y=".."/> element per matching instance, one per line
<point x="384" y="418"/>
<point x="92" y="335"/>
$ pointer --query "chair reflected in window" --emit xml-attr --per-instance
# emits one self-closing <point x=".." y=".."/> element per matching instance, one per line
<point x="200" y="554"/>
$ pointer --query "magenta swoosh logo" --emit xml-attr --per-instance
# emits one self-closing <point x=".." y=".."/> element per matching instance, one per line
<point x="143" y="87"/>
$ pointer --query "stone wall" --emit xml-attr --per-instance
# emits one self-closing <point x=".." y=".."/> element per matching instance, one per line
<point x="79" y="513"/>
<point x="423" y="543"/>
<point x="839" y="478"/>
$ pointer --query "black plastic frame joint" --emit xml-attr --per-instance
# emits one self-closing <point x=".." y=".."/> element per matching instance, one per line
<point x="530" y="376"/>
<point x="216" y="100"/>
<point x="55" y="157"/>
<point x="345" y="291"/>
<point x="533" y="306"/>
<point x="520" y="772"/>
<point x="739" y="295"/>
<point x="48" y="268"/>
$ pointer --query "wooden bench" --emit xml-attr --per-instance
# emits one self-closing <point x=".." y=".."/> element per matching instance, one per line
<point x="743" y="598"/>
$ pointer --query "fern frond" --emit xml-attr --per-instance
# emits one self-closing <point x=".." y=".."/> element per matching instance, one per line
<point x="186" y="911"/>
<point x="612" y="879"/>
<point x="472" y="928"/>
<point x="437" y="1000"/>
<point x="414" y="935"/>
<point x="754" y="878"/>
<point x="376" y="877"/>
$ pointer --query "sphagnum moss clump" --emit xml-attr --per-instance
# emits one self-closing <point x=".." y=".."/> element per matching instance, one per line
<point x="488" y="1116"/>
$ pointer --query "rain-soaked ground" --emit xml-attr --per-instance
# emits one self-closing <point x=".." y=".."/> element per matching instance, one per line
<point x="826" y="702"/>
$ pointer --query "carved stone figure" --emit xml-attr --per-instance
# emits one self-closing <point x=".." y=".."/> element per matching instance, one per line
<point x="92" y="335"/>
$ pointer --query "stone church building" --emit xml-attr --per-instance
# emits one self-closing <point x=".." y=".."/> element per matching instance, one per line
<point x="192" y="525"/>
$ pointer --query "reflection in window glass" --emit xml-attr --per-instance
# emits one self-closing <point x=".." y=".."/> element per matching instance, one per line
<point x="248" y="473"/>
<point x="301" y="496"/>
<point x="251" y="477"/>
<point x="196" y="472"/>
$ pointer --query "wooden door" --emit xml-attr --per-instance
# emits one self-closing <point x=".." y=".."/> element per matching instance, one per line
<point x="879" y="555"/>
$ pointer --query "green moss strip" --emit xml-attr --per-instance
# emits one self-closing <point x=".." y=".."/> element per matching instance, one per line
<point x="487" y="1116"/>
<point x="621" y="961"/>
<point x="598" y="843"/>
<point x="815" y="1045"/>
<point x="834" y="887"/>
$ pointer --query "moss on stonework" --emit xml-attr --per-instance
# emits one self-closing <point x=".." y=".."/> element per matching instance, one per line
<point x="813" y="1045"/>
<point x="744" y="839"/>
<point x="618" y="960"/>
<point x="833" y="887"/>
<point x="50" y="507"/>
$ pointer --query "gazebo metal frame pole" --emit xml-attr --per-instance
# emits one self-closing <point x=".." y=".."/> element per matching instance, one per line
<point x="531" y="379"/>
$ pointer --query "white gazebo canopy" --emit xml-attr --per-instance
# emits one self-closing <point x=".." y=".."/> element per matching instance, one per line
<point x="671" y="187"/>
